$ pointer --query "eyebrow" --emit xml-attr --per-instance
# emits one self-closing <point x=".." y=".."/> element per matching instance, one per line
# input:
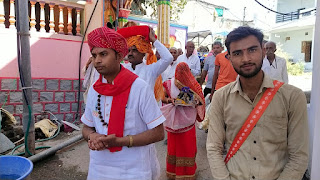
<point x="104" y="51"/>
<point x="239" y="50"/>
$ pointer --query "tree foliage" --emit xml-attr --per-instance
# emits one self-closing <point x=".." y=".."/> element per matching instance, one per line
<point x="176" y="7"/>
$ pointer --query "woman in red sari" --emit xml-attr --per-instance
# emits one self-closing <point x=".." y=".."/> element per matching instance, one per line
<point x="185" y="105"/>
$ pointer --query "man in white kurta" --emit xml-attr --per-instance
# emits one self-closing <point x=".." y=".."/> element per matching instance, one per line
<point x="171" y="69"/>
<point x="150" y="72"/>
<point x="122" y="119"/>
<point x="275" y="67"/>
<point x="142" y="113"/>
<point x="191" y="59"/>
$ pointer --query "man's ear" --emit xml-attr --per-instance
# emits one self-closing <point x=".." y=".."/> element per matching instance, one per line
<point x="119" y="57"/>
<point x="275" y="50"/>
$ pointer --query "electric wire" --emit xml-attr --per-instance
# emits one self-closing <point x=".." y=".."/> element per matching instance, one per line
<point x="80" y="55"/>
<point x="281" y="12"/>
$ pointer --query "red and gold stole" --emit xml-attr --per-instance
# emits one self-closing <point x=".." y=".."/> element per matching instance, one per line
<point x="120" y="90"/>
<point x="252" y="119"/>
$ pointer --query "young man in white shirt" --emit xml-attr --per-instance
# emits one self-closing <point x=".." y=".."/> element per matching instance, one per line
<point x="191" y="59"/>
<point x="122" y="119"/>
<point x="274" y="66"/>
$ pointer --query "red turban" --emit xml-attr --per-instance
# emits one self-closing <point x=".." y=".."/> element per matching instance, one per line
<point x="104" y="37"/>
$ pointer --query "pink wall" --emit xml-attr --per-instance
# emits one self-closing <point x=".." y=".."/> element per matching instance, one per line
<point x="52" y="55"/>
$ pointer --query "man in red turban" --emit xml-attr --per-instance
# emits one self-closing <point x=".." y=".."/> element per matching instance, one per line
<point x="122" y="119"/>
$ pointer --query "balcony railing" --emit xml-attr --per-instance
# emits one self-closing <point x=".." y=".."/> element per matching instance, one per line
<point x="51" y="16"/>
<point x="300" y="13"/>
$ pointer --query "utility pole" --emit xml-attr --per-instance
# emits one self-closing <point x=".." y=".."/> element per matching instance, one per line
<point x="244" y="15"/>
<point x="23" y="48"/>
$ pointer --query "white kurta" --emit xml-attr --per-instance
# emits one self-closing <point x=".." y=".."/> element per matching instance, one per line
<point x="142" y="114"/>
<point x="150" y="72"/>
<point x="193" y="62"/>
<point x="170" y="71"/>
<point x="277" y="70"/>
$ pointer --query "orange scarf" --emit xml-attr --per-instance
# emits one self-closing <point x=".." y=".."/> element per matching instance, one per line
<point x="144" y="46"/>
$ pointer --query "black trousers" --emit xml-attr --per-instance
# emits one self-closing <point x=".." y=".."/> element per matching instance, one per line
<point x="206" y="91"/>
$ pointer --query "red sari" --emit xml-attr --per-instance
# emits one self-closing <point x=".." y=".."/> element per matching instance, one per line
<point x="182" y="143"/>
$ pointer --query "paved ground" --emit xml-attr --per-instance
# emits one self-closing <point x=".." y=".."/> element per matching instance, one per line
<point x="71" y="163"/>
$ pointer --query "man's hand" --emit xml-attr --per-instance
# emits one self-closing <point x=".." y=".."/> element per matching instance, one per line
<point x="152" y="35"/>
<point x="95" y="142"/>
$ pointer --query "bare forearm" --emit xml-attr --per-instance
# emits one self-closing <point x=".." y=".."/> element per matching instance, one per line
<point x="215" y="78"/>
<point x="86" y="131"/>
<point x="214" y="82"/>
<point x="203" y="76"/>
<point x="150" y="136"/>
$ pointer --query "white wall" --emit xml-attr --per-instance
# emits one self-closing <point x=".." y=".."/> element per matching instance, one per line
<point x="285" y="6"/>
<point x="293" y="46"/>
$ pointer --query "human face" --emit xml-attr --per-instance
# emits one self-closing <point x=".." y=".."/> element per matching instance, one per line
<point x="190" y="48"/>
<point x="134" y="56"/>
<point x="270" y="48"/>
<point x="174" y="53"/>
<point x="216" y="49"/>
<point x="246" y="56"/>
<point x="106" y="61"/>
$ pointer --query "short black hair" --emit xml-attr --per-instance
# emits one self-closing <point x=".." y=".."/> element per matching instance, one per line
<point x="217" y="43"/>
<point x="243" y="32"/>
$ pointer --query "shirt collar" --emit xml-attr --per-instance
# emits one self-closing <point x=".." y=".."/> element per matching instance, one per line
<point x="266" y="83"/>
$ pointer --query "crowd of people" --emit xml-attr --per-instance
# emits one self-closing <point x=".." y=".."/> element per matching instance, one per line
<point x="254" y="115"/>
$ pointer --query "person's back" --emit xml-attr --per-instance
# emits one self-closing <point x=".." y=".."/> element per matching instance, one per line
<point x="226" y="73"/>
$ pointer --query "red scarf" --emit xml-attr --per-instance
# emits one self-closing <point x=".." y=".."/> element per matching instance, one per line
<point x="120" y="90"/>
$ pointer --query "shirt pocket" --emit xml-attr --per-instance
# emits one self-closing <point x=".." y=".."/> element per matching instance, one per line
<point x="275" y="129"/>
<point x="129" y="122"/>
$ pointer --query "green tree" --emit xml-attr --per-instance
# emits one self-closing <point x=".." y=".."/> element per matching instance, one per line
<point x="176" y="7"/>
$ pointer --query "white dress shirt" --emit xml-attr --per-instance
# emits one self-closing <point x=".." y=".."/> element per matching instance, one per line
<point x="142" y="113"/>
<point x="170" y="71"/>
<point x="150" y="72"/>
<point x="277" y="70"/>
<point x="193" y="61"/>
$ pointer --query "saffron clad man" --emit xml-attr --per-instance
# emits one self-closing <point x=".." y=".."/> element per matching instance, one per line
<point x="263" y="123"/>
<point x="122" y="119"/>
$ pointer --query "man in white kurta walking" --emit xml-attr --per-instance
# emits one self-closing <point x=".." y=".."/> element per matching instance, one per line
<point x="273" y="65"/>
<point x="191" y="59"/>
<point x="122" y="119"/>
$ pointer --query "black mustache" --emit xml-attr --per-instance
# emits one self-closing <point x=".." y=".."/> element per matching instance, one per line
<point x="247" y="64"/>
